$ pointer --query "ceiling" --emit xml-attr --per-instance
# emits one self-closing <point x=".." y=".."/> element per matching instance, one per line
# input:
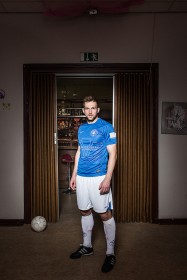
<point x="79" y="7"/>
<point x="75" y="88"/>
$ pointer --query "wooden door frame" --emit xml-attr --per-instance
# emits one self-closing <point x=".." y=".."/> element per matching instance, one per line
<point x="85" y="69"/>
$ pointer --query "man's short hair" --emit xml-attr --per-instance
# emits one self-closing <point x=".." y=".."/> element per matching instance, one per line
<point x="89" y="99"/>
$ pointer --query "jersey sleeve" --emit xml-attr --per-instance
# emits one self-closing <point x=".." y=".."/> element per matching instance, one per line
<point x="110" y="135"/>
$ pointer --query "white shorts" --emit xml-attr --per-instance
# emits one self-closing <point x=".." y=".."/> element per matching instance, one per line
<point x="88" y="194"/>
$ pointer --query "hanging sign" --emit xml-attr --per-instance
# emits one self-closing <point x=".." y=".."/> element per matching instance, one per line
<point x="89" y="56"/>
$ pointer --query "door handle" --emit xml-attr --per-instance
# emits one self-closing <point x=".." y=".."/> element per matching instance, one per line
<point x="55" y="138"/>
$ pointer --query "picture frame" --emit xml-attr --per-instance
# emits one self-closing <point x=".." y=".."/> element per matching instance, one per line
<point x="174" y="118"/>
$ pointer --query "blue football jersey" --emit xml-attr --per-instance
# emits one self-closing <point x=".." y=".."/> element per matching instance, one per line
<point x="93" y="139"/>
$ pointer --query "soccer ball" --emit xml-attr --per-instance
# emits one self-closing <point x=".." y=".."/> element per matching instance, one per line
<point x="38" y="223"/>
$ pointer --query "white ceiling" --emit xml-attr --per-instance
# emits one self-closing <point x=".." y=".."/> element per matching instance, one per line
<point x="37" y="6"/>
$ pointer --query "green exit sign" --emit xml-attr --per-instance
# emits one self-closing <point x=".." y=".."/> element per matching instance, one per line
<point x="89" y="56"/>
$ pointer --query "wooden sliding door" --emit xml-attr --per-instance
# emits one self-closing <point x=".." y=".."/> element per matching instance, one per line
<point x="135" y="120"/>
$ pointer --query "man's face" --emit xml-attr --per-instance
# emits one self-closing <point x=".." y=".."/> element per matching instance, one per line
<point x="91" y="111"/>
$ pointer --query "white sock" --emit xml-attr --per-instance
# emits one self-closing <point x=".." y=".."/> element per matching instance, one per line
<point x="110" y="232"/>
<point x="87" y="226"/>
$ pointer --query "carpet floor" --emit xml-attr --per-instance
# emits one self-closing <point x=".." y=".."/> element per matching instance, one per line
<point x="143" y="251"/>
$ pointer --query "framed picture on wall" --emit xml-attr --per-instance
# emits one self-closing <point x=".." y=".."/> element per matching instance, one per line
<point x="174" y="118"/>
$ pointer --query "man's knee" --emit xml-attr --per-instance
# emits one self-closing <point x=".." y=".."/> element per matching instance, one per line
<point x="106" y="216"/>
<point x="86" y="212"/>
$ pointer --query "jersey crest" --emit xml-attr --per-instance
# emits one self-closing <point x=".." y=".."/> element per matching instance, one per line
<point x="94" y="132"/>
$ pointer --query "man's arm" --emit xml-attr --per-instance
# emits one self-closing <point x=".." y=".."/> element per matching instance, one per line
<point x="105" y="184"/>
<point x="74" y="174"/>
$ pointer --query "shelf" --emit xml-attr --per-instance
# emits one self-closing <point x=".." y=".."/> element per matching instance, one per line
<point x="67" y="148"/>
<point x="70" y="116"/>
<point x="68" y="111"/>
<point x="73" y="108"/>
<point x="67" y="143"/>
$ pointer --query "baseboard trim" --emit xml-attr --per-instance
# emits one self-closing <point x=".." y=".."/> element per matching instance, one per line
<point x="20" y="222"/>
<point x="11" y="222"/>
<point x="171" y="221"/>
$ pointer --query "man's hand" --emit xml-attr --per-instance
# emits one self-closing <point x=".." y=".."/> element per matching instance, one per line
<point x="73" y="183"/>
<point x="104" y="187"/>
<point x="105" y="184"/>
<point x="74" y="174"/>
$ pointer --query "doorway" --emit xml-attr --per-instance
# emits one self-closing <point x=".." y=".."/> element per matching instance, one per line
<point x="130" y="81"/>
<point x="70" y="92"/>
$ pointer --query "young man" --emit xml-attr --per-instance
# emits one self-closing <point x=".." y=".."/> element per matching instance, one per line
<point x="94" y="164"/>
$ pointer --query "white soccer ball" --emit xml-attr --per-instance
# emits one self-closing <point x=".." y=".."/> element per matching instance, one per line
<point x="38" y="223"/>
